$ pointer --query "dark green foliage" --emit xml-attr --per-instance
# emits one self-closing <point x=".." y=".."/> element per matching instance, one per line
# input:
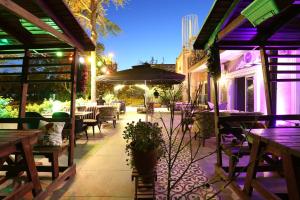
<point x="142" y="136"/>
<point x="213" y="62"/>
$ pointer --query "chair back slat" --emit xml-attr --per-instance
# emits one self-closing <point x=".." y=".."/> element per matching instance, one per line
<point x="93" y="110"/>
<point x="107" y="111"/>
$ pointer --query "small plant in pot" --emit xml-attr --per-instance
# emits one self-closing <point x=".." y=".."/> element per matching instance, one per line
<point x="144" y="142"/>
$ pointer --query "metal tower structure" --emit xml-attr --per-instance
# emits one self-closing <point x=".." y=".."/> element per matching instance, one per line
<point x="190" y="30"/>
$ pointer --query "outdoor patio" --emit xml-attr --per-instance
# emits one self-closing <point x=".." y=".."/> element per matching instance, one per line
<point x="220" y="121"/>
<point x="102" y="171"/>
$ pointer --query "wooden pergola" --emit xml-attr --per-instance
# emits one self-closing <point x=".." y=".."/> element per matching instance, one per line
<point x="31" y="32"/>
<point x="228" y="28"/>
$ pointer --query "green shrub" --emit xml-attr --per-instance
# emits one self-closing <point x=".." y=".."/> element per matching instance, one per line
<point x="6" y="109"/>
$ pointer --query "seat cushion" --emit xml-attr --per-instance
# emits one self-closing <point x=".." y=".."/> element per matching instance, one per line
<point x="89" y="121"/>
<point x="53" y="133"/>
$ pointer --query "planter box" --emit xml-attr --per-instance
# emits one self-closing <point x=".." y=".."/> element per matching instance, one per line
<point x="261" y="10"/>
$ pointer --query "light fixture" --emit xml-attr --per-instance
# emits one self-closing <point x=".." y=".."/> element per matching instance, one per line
<point x="59" y="54"/>
<point x="81" y="60"/>
<point x="104" y="69"/>
<point x="223" y="79"/>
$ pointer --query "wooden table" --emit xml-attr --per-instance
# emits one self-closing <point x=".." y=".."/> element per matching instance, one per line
<point x="12" y="141"/>
<point x="281" y="142"/>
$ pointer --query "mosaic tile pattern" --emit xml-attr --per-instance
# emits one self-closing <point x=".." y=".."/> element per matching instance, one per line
<point x="195" y="176"/>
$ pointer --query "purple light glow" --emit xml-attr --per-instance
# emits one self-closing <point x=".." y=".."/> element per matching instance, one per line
<point x="296" y="2"/>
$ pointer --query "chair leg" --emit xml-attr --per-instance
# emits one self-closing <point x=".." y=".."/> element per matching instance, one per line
<point x="114" y="123"/>
<point x="203" y="141"/>
<point x="93" y="130"/>
<point x="99" y="126"/>
<point x="86" y="134"/>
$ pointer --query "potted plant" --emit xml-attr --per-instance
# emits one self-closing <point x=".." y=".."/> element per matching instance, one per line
<point x="144" y="141"/>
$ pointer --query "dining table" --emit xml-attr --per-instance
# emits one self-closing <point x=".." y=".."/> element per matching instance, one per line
<point x="21" y="142"/>
<point x="283" y="143"/>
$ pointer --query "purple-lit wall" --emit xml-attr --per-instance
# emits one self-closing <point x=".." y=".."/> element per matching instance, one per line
<point x="288" y="93"/>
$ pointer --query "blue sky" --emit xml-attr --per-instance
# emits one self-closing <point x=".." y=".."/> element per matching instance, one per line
<point x="151" y="28"/>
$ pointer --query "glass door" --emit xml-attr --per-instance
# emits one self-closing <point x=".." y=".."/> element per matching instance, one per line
<point x="249" y="96"/>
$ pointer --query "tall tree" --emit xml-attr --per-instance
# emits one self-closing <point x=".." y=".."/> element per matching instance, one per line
<point x="92" y="15"/>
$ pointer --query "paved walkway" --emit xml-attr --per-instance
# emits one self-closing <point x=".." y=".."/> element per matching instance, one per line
<point x="102" y="171"/>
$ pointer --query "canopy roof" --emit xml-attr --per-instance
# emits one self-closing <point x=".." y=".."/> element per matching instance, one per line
<point x="40" y="24"/>
<point x="231" y="30"/>
<point x="142" y="73"/>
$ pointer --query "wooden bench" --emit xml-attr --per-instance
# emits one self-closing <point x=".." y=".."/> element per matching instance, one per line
<point x="50" y="152"/>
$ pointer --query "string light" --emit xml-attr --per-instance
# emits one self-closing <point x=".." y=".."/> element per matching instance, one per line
<point x="59" y="54"/>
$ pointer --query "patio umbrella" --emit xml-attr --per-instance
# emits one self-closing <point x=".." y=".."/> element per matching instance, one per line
<point x="143" y="74"/>
<point x="140" y="74"/>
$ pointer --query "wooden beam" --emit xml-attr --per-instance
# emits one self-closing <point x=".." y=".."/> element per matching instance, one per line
<point x="21" y="12"/>
<point x="72" y="109"/>
<point x="250" y="44"/>
<point x="33" y="46"/>
<point x="231" y="26"/>
<point x="46" y="8"/>
<point x="266" y="78"/>
<point x="14" y="28"/>
<point x="68" y="173"/>
<point x="264" y="33"/>
<point x="24" y="86"/>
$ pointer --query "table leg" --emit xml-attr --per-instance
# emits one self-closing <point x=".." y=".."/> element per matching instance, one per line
<point x="31" y="168"/>
<point x="292" y="175"/>
<point x="253" y="163"/>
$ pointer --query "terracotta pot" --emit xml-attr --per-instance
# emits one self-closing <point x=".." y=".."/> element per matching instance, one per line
<point x="145" y="162"/>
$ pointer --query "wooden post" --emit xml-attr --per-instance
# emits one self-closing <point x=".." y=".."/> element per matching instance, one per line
<point x="189" y="87"/>
<point x="216" y="108"/>
<point x="208" y="88"/>
<point x="266" y="77"/>
<point x="74" y="67"/>
<point x="24" y="87"/>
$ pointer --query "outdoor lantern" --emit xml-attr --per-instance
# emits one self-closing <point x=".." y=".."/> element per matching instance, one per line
<point x="156" y="94"/>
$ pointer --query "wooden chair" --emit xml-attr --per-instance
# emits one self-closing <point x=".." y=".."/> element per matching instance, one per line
<point x="80" y="127"/>
<point x="50" y="152"/>
<point x="91" y="119"/>
<point x="204" y="126"/>
<point x="107" y="113"/>
<point x="34" y="122"/>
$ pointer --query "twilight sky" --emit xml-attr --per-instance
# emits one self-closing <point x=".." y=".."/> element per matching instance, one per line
<point x="151" y="28"/>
